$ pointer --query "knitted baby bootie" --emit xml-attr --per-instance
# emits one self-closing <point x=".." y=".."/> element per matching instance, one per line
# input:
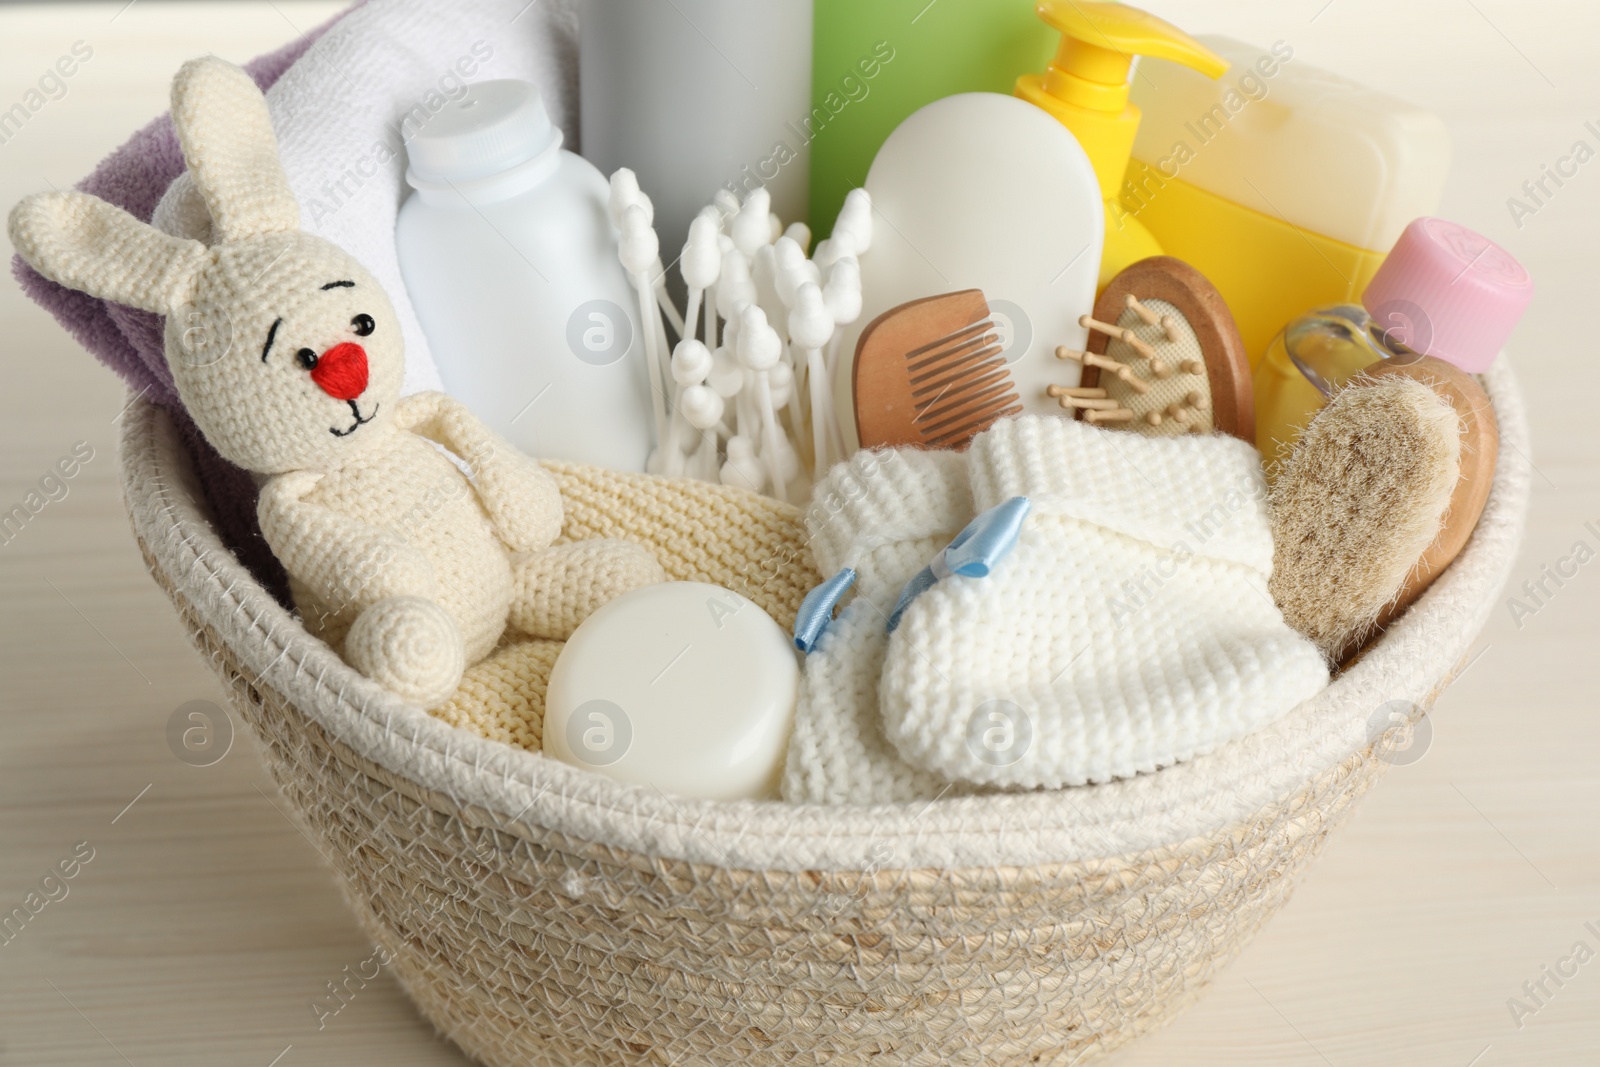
<point x="1128" y="628"/>
<point x="881" y="516"/>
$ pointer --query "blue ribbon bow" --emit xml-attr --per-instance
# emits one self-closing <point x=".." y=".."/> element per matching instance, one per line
<point x="816" y="610"/>
<point x="973" y="553"/>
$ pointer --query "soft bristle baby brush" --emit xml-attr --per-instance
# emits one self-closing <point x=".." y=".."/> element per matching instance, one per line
<point x="1358" y="502"/>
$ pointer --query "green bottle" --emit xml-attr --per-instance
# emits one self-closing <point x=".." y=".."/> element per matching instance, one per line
<point x="874" y="62"/>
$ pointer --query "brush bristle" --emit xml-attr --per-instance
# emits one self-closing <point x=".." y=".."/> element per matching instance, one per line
<point x="1360" y="499"/>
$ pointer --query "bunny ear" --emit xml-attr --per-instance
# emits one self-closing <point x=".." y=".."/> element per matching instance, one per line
<point x="227" y="140"/>
<point x="86" y="244"/>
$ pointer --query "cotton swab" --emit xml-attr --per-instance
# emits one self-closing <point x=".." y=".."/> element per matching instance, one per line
<point x="800" y="234"/>
<point x="638" y="247"/>
<point x="842" y="297"/>
<point x="781" y="380"/>
<point x="691" y="362"/>
<point x="792" y="268"/>
<point x="742" y="467"/>
<point x="658" y="274"/>
<point x="810" y="329"/>
<point x="855" y="221"/>
<point x="759" y="350"/>
<point x="703" y="408"/>
<point x="625" y="193"/>
<point x="852" y="233"/>
<point x="700" y="265"/>
<point x="726" y="376"/>
<point x="842" y="293"/>
<point x="751" y="228"/>
<point x="734" y="284"/>
<point x="759" y="389"/>
<point x="713" y="295"/>
<point x="764" y="273"/>
<point x="828" y="252"/>
<point x="725" y="204"/>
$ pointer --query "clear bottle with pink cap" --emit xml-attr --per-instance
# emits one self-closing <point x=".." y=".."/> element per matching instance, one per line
<point x="1444" y="291"/>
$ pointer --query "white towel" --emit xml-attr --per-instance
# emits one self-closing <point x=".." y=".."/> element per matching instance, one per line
<point x="344" y="111"/>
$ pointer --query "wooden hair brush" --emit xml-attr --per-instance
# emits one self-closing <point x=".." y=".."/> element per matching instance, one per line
<point x="931" y="373"/>
<point x="1164" y="357"/>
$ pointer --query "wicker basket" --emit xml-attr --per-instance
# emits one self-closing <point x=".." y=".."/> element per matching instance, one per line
<point x="538" y="914"/>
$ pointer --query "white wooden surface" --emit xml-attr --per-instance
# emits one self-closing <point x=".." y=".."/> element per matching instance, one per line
<point x="204" y="925"/>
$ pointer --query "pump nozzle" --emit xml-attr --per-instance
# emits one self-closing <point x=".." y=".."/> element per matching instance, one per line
<point x="1086" y="89"/>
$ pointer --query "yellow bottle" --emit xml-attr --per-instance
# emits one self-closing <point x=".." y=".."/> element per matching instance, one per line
<point x="1283" y="184"/>
<point x="1444" y="291"/>
<point x="1314" y="357"/>
<point x="1086" y="88"/>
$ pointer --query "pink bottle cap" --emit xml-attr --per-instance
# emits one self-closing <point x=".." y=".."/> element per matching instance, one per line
<point x="1446" y="291"/>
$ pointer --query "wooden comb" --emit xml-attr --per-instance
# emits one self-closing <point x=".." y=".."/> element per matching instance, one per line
<point x="931" y="374"/>
<point x="1162" y="372"/>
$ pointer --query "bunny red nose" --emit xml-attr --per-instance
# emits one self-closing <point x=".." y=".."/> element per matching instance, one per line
<point x="341" y="371"/>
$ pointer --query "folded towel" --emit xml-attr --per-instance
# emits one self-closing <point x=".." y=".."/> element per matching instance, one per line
<point x="134" y="177"/>
<point x="344" y="113"/>
<point x="344" y="99"/>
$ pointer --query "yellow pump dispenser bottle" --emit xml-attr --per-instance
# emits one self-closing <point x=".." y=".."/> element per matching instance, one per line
<point x="1086" y="89"/>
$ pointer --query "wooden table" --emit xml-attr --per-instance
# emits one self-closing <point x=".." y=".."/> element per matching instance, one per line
<point x="203" y="926"/>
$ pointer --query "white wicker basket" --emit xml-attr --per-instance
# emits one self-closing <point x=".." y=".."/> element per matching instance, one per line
<point x="539" y="914"/>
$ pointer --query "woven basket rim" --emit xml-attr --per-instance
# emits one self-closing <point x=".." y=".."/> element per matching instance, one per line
<point x="1411" y="662"/>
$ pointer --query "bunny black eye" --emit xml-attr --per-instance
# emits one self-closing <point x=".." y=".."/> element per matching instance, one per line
<point x="363" y="325"/>
<point x="307" y="358"/>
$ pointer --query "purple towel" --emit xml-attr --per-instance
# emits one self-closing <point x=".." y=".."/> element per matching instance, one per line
<point x="129" y="341"/>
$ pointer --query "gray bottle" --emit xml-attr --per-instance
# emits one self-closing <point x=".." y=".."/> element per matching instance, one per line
<point x="697" y="95"/>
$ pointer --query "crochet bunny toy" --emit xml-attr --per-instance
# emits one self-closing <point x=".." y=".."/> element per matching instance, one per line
<point x="288" y="356"/>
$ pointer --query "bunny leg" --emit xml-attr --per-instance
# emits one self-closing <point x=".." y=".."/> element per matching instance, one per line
<point x="557" y="588"/>
<point x="410" y="646"/>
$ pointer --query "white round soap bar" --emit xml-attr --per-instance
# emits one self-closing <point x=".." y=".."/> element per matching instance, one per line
<point x="684" y="686"/>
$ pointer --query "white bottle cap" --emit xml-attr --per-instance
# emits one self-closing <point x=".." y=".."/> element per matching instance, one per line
<point x="495" y="127"/>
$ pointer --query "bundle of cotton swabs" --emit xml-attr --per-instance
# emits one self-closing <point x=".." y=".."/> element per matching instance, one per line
<point x="746" y="395"/>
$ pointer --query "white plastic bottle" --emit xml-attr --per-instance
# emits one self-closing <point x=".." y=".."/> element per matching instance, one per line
<point x="983" y="191"/>
<point x="510" y="260"/>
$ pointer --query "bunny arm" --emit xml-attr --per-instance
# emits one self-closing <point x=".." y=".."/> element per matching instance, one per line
<point x="346" y="563"/>
<point x="522" y="500"/>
